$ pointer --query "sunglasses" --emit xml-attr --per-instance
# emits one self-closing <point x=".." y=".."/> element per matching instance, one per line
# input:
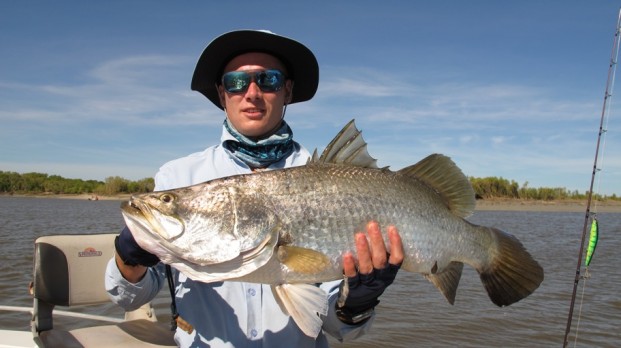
<point x="267" y="80"/>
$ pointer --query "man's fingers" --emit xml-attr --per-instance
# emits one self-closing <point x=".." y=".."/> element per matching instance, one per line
<point x="396" y="246"/>
<point x="378" y="247"/>
<point x="365" y="265"/>
<point x="349" y="265"/>
<point x="372" y="252"/>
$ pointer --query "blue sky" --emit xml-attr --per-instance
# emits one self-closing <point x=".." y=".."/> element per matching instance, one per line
<point x="509" y="89"/>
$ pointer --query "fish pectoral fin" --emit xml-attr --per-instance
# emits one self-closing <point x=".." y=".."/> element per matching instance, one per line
<point x="447" y="280"/>
<point x="305" y="303"/>
<point x="302" y="260"/>
<point x="441" y="174"/>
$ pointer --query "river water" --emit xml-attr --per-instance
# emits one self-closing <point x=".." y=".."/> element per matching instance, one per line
<point x="412" y="312"/>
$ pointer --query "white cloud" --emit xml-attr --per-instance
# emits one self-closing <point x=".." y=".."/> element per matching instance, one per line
<point x="520" y="132"/>
<point x="132" y="90"/>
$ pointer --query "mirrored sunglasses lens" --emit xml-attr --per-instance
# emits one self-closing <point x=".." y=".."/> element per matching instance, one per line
<point x="270" y="80"/>
<point x="236" y="81"/>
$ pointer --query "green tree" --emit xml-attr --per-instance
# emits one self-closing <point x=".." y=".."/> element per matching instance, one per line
<point x="116" y="184"/>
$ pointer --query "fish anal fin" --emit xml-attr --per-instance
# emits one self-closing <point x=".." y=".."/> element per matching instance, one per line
<point x="305" y="303"/>
<point x="302" y="260"/>
<point x="447" y="280"/>
<point x="441" y="174"/>
<point x="511" y="274"/>
<point x="434" y="269"/>
<point x="347" y="148"/>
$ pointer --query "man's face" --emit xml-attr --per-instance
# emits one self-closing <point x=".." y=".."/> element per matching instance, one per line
<point x="255" y="113"/>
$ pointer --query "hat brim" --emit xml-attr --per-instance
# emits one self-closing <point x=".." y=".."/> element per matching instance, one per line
<point x="301" y="63"/>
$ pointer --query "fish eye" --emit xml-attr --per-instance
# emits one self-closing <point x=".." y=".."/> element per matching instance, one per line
<point x="167" y="198"/>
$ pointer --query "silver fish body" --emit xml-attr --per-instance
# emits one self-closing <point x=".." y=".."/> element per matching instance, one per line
<point x="292" y="226"/>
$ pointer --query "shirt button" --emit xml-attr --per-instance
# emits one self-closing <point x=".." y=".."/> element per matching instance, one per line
<point x="254" y="333"/>
<point x="252" y="292"/>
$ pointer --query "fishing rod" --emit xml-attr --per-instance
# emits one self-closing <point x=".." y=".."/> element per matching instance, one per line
<point x="607" y="96"/>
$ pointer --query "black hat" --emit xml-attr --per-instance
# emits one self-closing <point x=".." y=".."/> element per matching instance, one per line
<point x="301" y="63"/>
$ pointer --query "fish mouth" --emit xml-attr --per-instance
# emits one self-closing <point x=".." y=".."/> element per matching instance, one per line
<point x="166" y="226"/>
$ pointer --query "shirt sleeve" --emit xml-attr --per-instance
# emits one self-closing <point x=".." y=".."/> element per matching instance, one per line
<point x="128" y="295"/>
<point x="333" y="325"/>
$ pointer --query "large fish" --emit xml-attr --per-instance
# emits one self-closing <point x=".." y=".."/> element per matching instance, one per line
<point x="290" y="227"/>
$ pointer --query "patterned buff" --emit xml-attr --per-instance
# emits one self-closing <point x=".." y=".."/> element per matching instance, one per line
<point x="262" y="153"/>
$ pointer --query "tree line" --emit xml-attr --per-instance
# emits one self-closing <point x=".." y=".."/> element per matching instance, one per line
<point x="494" y="187"/>
<point x="33" y="183"/>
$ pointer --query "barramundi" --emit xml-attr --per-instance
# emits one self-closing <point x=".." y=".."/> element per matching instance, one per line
<point x="290" y="227"/>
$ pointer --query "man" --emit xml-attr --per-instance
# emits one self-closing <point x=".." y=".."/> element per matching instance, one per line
<point x="253" y="76"/>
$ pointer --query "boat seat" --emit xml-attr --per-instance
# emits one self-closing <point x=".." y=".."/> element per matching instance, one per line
<point x="69" y="271"/>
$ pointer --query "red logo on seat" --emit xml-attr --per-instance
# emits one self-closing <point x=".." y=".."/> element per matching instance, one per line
<point x="90" y="252"/>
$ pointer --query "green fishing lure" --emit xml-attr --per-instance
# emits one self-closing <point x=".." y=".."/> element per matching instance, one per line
<point x="594" y="236"/>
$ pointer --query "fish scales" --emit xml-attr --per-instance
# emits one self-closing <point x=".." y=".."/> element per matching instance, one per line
<point x="322" y="206"/>
<point x="291" y="227"/>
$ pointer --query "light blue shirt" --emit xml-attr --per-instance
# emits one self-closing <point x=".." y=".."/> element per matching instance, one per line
<point x="225" y="314"/>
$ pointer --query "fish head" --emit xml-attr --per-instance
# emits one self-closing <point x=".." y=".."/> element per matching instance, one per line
<point x="203" y="225"/>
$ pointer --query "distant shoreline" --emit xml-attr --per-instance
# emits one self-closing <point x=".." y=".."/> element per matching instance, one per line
<point x="482" y="205"/>
<point x="81" y="196"/>
<point x="548" y="206"/>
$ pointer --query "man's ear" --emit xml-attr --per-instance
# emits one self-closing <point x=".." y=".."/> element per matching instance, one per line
<point x="221" y="95"/>
<point x="288" y="91"/>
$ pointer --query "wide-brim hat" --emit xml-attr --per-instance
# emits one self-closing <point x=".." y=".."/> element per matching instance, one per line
<point x="301" y="63"/>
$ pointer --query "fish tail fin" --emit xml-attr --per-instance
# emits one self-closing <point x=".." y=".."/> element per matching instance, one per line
<point x="448" y="280"/>
<point x="305" y="303"/>
<point x="511" y="273"/>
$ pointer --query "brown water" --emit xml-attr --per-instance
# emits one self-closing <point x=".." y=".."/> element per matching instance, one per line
<point x="412" y="312"/>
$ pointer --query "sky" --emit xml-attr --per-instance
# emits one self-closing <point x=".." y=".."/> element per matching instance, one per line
<point x="511" y="89"/>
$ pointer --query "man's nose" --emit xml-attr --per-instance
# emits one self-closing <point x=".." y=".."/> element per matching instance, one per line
<point x="253" y="91"/>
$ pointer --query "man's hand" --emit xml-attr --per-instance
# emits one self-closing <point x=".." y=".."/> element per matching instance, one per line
<point x="374" y="255"/>
<point x="375" y="270"/>
<point x="130" y="258"/>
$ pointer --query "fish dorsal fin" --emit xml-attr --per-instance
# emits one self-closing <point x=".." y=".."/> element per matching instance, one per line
<point x="348" y="148"/>
<point x="441" y="174"/>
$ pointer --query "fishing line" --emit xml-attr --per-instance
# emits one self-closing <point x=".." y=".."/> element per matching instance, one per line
<point x="592" y="216"/>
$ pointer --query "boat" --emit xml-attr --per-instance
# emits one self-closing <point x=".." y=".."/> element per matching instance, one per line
<point x="69" y="272"/>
